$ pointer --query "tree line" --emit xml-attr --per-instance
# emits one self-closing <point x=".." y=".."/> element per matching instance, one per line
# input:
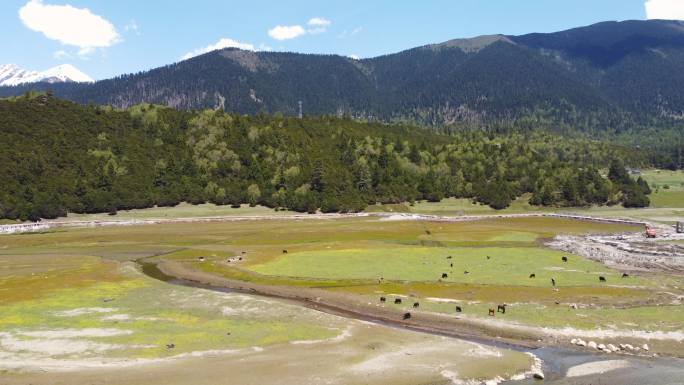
<point x="58" y="157"/>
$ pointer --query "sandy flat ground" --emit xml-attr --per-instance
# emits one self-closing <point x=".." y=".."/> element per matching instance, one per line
<point x="369" y="354"/>
<point x="598" y="367"/>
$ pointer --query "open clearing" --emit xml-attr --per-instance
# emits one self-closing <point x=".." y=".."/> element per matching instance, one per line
<point x="667" y="203"/>
<point x="77" y="318"/>
<point x="72" y="299"/>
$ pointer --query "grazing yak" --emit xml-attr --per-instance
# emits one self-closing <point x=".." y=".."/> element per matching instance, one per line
<point x="201" y="259"/>
<point x="383" y="299"/>
<point x="492" y="312"/>
<point x="445" y="275"/>
<point x="284" y="251"/>
<point x="533" y="275"/>
<point x="602" y="278"/>
<point x="501" y="308"/>
<point x="397" y="301"/>
<point x="449" y="257"/>
<point x="625" y="275"/>
<point x="564" y="259"/>
<point x="458" y="309"/>
<point x="488" y="257"/>
<point x="407" y="316"/>
<point x="170" y="346"/>
<point x="416" y="304"/>
<point x="451" y="265"/>
<point x="466" y="272"/>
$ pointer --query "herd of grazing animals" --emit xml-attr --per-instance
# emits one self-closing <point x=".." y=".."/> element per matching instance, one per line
<point x="492" y="312"/>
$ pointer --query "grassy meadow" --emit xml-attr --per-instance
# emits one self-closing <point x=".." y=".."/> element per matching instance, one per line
<point x="352" y="255"/>
<point x="72" y="299"/>
<point x="133" y="316"/>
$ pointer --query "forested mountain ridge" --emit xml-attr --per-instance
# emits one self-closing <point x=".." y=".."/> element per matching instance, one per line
<point x="57" y="157"/>
<point x="607" y="76"/>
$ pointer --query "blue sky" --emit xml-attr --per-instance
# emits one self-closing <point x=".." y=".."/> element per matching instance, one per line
<point x="107" y="38"/>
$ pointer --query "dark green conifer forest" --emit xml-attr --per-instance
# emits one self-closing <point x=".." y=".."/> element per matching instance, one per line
<point x="58" y="157"/>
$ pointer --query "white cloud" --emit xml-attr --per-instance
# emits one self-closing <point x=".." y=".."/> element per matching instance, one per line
<point x="665" y="9"/>
<point x="347" y="33"/>
<point x="61" y="55"/>
<point x="318" y="25"/>
<point x="319" y="22"/>
<point x="286" y="32"/>
<point x="223" y="43"/>
<point x="69" y="25"/>
<point x="132" y="26"/>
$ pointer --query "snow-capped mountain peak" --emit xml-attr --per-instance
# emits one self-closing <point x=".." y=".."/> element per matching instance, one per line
<point x="12" y="75"/>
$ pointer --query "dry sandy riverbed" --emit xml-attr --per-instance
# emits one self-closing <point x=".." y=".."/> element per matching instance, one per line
<point x="64" y="351"/>
<point x="366" y="353"/>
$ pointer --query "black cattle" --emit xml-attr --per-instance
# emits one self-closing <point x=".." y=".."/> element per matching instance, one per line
<point x="416" y="304"/>
<point x="397" y="300"/>
<point x="449" y="257"/>
<point x="407" y="316"/>
<point x="284" y="251"/>
<point x="240" y="259"/>
<point x="602" y="279"/>
<point x="170" y="346"/>
<point x="451" y="265"/>
<point x="458" y="309"/>
<point x="492" y="312"/>
<point x="625" y="275"/>
<point x="553" y="282"/>
<point x="383" y="299"/>
<point x="445" y="275"/>
<point x="244" y="252"/>
<point x="501" y="308"/>
<point x="488" y="257"/>
<point x="201" y="259"/>
<point x="533" y="275"/>
<point x="564" y="259"/>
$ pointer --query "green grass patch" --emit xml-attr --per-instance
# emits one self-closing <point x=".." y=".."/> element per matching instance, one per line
<point x="667" y="198"/>
<point x="183" y="210"/>
<point x="661" y="178"/>
<point x="154" y="314"/>
<point x="505" y="266"/>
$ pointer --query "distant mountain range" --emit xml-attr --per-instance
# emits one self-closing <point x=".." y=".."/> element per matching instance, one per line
<point x="12" y="75"/>
<point x="610" y="74"/>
